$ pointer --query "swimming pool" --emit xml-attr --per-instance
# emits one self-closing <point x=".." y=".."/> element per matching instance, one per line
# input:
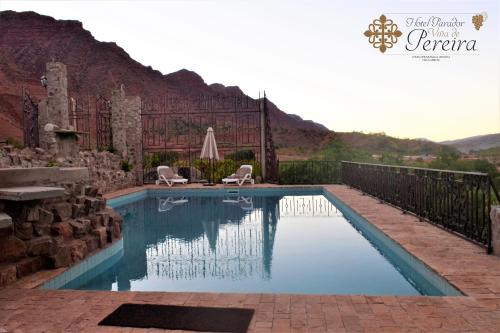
<point x="254" y="241"/>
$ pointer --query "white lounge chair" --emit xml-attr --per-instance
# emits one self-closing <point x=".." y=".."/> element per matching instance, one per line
<point x="167" y="175"/>
<point x="166" y="204"/>
<point x="245" y="203"/>
<point x="242" y="175"/>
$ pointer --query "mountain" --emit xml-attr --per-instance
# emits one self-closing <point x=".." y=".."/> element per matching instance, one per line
<point x="479" y="142"/>
<point x="379" y="143"/>
<point x="28" y="40"/>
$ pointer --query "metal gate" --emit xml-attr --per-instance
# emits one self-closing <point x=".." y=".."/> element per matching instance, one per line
<point x="79" y="118"/>
<point x="86" y="111"/>
<point x="30" y="120"/>
<point x="103" y="124"/>
<point x="173" y="128"/>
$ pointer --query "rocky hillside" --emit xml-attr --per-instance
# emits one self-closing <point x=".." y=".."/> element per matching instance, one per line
<point x="29" y="40"/>
<point x="379" y="143"/>
<point x="475" y="143"/>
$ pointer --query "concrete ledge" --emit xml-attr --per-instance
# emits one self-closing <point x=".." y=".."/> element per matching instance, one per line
<point x="17" y="177"/>
<point x="5" y="223"/>
<point x="30" y="193"/>
<point x="73" y="175"/>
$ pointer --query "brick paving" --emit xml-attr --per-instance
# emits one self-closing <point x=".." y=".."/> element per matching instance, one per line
<point x="463" y="264"/>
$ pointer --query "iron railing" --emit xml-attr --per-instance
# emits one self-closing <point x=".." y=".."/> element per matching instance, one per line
<point x="457" y="201"/>
<point x="176" y="125"/>
<point x="309" y="172"/>
<point x="90" y="116"/>
<point x="30" y="120"/>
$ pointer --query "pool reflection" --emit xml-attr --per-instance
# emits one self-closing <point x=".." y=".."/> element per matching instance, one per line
<point x="179" y="238"/>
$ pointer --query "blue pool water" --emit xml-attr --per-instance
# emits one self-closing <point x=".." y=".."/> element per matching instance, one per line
<point x="279" y="241"/>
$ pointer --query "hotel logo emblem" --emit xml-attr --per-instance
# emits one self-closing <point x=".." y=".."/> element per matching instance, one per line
<point x="383" y="33"/>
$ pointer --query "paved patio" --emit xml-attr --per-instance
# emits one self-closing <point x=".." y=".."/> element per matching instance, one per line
<point x="462" y="263"/>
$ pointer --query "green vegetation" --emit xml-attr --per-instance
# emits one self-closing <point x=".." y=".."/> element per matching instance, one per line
<point x="14" y="143"/>
<point x="452" y="161"/>
<point x="224" y="168"/>
<point x="153" y="160"/>
<point x="126" y="166"/>
<point x="108" y="148"/>
<point x="52" y="164"/>
<point x="309" y="172"/>
<point x="338" y="151"/>
<point x="241" y="155"/>
<point x="446" y="158"/>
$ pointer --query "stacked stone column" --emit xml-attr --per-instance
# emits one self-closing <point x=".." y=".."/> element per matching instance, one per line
<point x="55" y="133"/>
<point x="127" y="128"/>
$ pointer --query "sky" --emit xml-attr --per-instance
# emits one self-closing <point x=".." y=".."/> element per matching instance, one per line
<point x="312" y="58"/>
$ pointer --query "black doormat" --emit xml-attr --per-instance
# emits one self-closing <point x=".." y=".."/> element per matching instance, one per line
<point x="180" y="318"/>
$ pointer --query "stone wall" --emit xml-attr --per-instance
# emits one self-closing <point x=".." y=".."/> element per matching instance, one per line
<point x="495" y="229"/>
<point x="126" y="125"/>
<point x="104" y="167"/>
<point x="56" y="232"/>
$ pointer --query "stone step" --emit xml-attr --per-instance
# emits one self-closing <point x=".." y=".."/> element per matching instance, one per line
<point x="26" y="193"/>
<point x="6" y="226"/>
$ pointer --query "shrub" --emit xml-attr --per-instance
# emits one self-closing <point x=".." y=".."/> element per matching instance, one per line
<point x="14" y="143"/>
<point x="224" y="168"/>
<point x="51" y="163"/>
<point x="153" y="160"/>
<point x="241" y="155"/>
<point x="126" y="166"/>
<point x="108" y="148"/>
<point x="309" y="172"/>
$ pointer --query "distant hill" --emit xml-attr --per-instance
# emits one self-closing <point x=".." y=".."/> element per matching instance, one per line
<point x="379" y="143"/>
<point x="475" y="143"/>
<point x="361" y="147"/>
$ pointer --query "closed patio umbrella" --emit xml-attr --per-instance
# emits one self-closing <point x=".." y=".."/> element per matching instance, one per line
<point x="209" y="151"/>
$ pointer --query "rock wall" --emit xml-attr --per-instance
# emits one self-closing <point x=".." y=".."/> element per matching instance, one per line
<point x="104" y="167"/>
<point x="56" y="232"/>
<point x="127" y="128"/>
<point x="495" y="229"/>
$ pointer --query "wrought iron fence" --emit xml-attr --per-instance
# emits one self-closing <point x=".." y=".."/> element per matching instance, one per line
<point x="457" y="201"/>
<point x="104" y="138"/>
<point x="174" y="128"/>
<point x="80" y="119"/>
<point x="91" y="117"/>
<point x="30" y="120"/>
<point x="179" y="124"/>
<point x="309" y="172"/>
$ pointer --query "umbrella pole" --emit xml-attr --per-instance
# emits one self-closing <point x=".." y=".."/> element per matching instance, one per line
<point x="210" y="171"/>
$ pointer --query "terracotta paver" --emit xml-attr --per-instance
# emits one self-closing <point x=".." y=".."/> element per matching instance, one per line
<point x="463" y="264"/>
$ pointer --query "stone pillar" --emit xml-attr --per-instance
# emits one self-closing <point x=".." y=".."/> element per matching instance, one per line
<point x="126" y="125"/>
<point x="118" y="121"/>
<point x="55" y="132"/>
<point x="57" y="92"/>
<point x="495" y="229"/>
